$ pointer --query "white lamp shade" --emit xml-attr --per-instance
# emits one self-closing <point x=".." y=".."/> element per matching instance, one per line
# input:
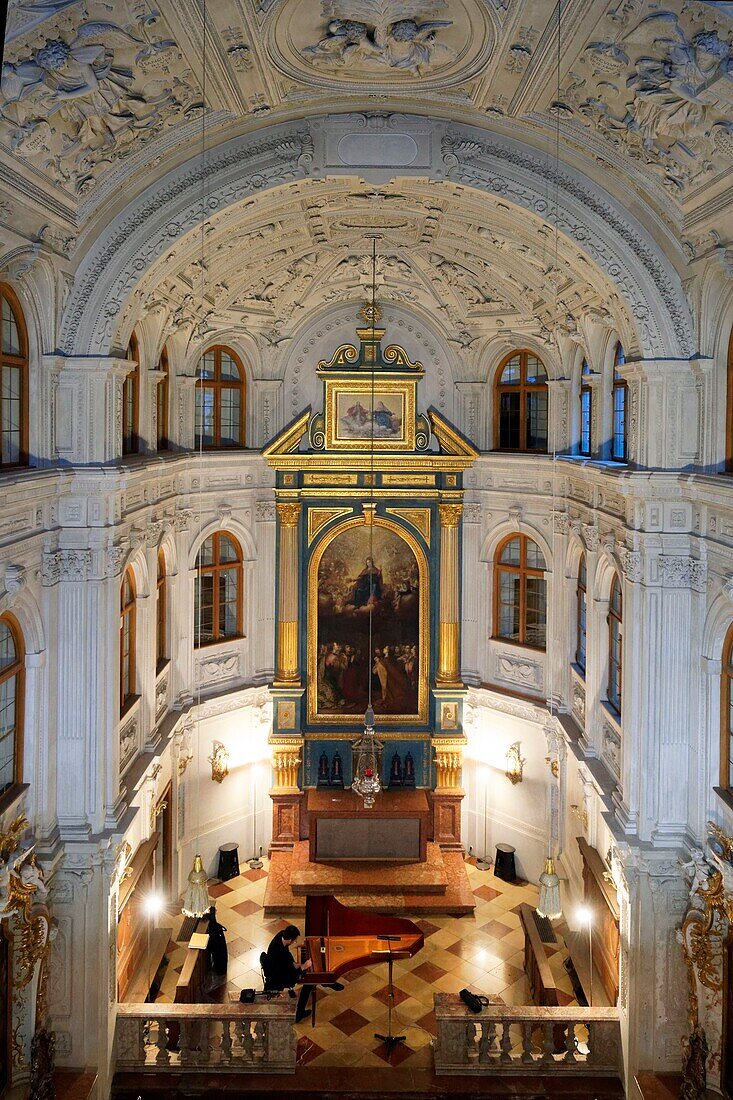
<point x="548" y="904"/>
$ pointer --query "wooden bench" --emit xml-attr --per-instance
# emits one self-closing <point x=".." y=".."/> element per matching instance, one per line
<point x="190" y="985"/>
<point x="542" y="986"/>
<point x="138" y="988"/>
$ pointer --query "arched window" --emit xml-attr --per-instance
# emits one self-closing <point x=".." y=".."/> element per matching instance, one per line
<point x="729" y="408"/>
<point x="218" y="596"/>
<point x="726" y="714"/>
<point x="580" y="616"/>
<point x="586" y="408"/>
<point x="220" y="394"/>
<point x="12" y="657"/>
<point x="131" y="401"/>
<point x="615" y="646"/>
<point x="127" y="640"/>
<point x="161" y="633"/>
<point x="619" y="450"/>
<point x="520" y="420"/>
<point x="520" y="602"/>
<point x="13" y="381"/>
<point x="162" y="398"/>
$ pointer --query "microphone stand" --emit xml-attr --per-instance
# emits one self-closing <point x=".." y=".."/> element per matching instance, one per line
<point x="390" y="1040"/>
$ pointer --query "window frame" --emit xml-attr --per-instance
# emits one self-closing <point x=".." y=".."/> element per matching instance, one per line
<point x="614" y="683"/>
<point x="131" y="386"/>
<point x="586" y="410"/>
<point x="524" y="571"/>
<point x="726" y="697"/>
<point x="581" y="615"/>
<point x="17" y="669"/>
<point x="217" y="386"/>
<point x="162" y="402"/>
<point x="161" y="614"/>
<point x="128" y="611"/>
<point x="619" y="386"/>
<point x="523" y="388"/>
<point x="18" y="362"/>
<point x="214" y="570"/>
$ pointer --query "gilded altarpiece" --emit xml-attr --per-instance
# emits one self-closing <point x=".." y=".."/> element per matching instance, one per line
<point x="369" y="494"/>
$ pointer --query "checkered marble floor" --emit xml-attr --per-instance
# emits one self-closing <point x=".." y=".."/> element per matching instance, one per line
<point x="484" y="951"/>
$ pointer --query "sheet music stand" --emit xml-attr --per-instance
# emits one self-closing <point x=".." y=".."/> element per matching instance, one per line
<point x="390" y="1040"/>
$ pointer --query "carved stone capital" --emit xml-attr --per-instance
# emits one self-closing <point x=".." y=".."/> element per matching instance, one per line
<point x="450" y="514"/>
<point x="288" y="513"/>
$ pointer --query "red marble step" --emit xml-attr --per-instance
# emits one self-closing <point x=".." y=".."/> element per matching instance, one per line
<point x="458" y="899"/>
<point x="359" y="878"/>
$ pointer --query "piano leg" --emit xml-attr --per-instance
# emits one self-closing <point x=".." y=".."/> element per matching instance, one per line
<point x="314" y="994"/>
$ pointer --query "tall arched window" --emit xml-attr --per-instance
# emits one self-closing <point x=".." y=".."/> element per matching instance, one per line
<point x="218" y="596"/>
<point x="127" y="640"/>
<point x="586" y="408"/>
<point x="726" y="714"/>
<point x="520" y="419"/>
<point x="12" y="659"/>
<point x="13" y="381"/>
<point x="615" y="646"/>
<point x="131" y="401"/>
<point x="520" y="601"/>
<point x="162" y="399"/>
<point x="619" y="449"/>
<point x="161" y="610"/>
<point x="581" y="595"/>
<point x="729" y="408"/>
<point x="220" y="395"/>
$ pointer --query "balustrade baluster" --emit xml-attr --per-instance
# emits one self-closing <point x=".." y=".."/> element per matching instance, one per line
<point x="259" y="1047"/>
<point x="247" y="1045"/>
<point x="184" y="1042"/>
<point x="527" y="1057"/>
<point x="570" y="1046"/>
<point x="548" y="1043"/>
<point x="162" y="1058"/>
<point x="226" y="1042"/>
<point x="483" y="1045"/>
<point x="506" y="1042"/>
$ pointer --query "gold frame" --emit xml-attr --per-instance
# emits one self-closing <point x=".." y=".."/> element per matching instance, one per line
<point x="402" y="387"/>
<point x="423" y="626"/>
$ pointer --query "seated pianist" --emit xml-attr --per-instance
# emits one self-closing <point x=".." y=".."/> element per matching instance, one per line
<point x="282" y="972"/>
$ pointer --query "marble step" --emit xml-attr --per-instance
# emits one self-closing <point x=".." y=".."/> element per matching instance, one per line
<point x="458" y="899"/>
<point x="357" y="878"/>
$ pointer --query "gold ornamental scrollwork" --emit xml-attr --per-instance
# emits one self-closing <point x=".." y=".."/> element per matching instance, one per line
<point x="721" y="840"/>
<point x="288" y="513"/>
<point x="286" y="760"/>
<point x="450" y="514"/>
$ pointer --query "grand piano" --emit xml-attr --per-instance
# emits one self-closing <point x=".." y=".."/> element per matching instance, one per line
<point x="338" y="938"/>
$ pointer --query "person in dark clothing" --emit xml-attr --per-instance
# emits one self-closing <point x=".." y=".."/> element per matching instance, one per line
<point x="282" y="972"/>
<point x="216" y="952"/>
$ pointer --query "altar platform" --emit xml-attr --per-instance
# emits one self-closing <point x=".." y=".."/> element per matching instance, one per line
<point x="437" y="886"/>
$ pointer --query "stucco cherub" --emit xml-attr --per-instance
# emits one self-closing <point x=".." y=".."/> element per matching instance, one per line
<point x="674" y="92"/>
<point x="411" y="45"/>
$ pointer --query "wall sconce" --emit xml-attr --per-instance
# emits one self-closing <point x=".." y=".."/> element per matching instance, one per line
<point x="219" y="761"/>
<point x="514" y="763"/>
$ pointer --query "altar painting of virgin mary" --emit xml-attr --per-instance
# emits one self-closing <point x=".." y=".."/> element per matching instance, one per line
<point x="365" y="570"/>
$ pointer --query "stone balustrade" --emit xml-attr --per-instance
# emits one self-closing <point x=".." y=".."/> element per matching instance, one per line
<point x="236" y="1038"/>
<point x="510" y="1039"/>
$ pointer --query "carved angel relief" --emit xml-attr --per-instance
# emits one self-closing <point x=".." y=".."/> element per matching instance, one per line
<point x="399" y="34"/>
<point x="662" y="91"/>
<point x="91" y="92"/>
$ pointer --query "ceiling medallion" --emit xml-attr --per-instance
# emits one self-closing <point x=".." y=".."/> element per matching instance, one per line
<point x="371" y="42"/>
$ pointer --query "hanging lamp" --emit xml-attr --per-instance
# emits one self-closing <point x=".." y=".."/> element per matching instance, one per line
<point x="366" y="781"/>
<point x="549" y="903"/>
